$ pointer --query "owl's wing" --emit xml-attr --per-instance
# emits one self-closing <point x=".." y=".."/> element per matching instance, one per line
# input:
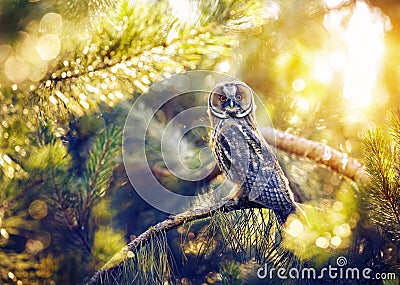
<point x="247" y="160"/>
<point x="222" y="152"/>
<point x="230" y="150"/>
<point x="269" y="185"/>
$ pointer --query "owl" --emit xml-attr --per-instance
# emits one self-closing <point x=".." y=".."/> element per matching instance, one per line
<point x="243" y="154"/>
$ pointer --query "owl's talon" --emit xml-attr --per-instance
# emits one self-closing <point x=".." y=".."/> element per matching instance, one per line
<point x="225" y="200"/>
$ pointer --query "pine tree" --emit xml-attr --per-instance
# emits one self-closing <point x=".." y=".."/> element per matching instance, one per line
<point x="71" y="71"/>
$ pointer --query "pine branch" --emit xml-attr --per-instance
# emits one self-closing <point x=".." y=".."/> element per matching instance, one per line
<point x="98" y="172"/>
<point x="381" y="197"/>
<point x="166" y="225"/>
<point x="120" y="53"/>
<point x="67" y="213"/>
<point x="74" y="197"/>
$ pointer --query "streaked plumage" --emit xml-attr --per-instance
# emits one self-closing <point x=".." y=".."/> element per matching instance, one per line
<point x="243" y="154"/>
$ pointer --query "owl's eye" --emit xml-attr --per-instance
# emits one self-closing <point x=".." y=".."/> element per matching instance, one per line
<point x="239" y="97"/>
<point x="222" y="98"/>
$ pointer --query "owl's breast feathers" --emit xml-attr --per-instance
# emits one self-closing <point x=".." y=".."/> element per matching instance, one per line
<point x="247" y="160"/>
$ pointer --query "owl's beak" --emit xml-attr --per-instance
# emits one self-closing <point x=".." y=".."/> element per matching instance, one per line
<point x="231" y="107"/>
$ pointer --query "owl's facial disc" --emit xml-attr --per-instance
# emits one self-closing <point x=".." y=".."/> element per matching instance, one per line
<point x="231" y="100"/>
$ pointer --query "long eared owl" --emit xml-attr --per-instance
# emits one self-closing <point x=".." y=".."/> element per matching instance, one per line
<point x="243" y="154"/>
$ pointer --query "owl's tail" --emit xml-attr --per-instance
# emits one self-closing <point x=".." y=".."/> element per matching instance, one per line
<point x="282" y="216"/>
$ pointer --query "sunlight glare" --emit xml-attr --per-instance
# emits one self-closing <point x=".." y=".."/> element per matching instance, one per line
<point x="11" y="275"/>
<point x="356" y="53"/>
<point x="303" y="104"/>
<point x="224" y="66"/>
<point x="186" y="11"/>
<point x="336" y="241"/>
<point x="335" y="3"/>
<point x="295" y="228"/>
<point x="322" y="242"/>
<point x="298" y="85"/>
<point x="322" y="71"/>
<point x="364" y="37"/>
<point x="4" y="233"/>
<point x="327" y="65"/>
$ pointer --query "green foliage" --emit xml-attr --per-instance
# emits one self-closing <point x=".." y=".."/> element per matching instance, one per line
<point x="126" y="51"/>
<point x="230" y="273"/>
<point x="48" y="156"/>
<point x="108" y="52"/>
<point x="60" y="201"/>
<point x="106" y="243"/>
<point x="382" y="195"/>
<point x="246" y="234"/>
<point x="251" y="234"/>
<point x="150" y="263"/>
<point x="75" y="203"/>
<point x="101" y="162"/>
<point x="58" y="163"/>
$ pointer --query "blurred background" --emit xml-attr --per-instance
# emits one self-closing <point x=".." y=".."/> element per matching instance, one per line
<point x="326" y="70"/>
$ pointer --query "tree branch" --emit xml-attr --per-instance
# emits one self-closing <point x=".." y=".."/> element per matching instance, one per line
<point x="336" y="160"/>
<point x="168" y="224"/>
<point x="318" y="152"/>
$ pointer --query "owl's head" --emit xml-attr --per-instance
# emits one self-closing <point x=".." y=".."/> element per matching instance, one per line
<point x="230" y="100"/>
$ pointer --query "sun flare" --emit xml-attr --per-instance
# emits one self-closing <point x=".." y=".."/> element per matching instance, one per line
<point x="364" y="37"/>
<point x="359" y="58"/>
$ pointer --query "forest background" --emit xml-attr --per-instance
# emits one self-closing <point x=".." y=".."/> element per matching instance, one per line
<point x="70" y="71"/>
